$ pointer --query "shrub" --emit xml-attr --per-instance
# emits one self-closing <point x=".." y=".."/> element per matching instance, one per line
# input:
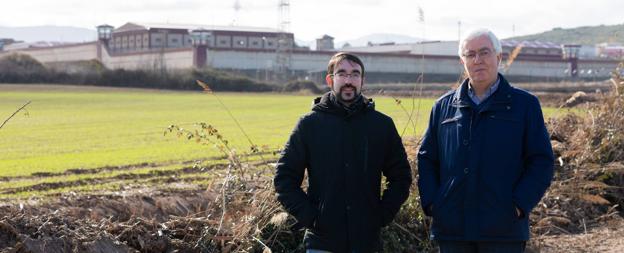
<point x="20" y="68"/>
<point x="303" y="86"/>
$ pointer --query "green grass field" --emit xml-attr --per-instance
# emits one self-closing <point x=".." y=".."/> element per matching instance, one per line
<point x="86" y="127"/>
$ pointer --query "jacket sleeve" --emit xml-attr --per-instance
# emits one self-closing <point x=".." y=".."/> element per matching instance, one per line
<point x="429" y="164"/>
<point x="538" y="161"/>
<point x="289" y="175"/>
<point x="398" y="175"/>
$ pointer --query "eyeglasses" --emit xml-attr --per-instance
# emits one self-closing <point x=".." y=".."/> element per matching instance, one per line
<point x="482" y="54"/>
<point x="343" y="75"/>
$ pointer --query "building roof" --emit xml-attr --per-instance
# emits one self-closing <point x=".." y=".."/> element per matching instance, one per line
<point x="530" y="44"/>
<point x="37" y="44"/>
<point x="134" y="26"/>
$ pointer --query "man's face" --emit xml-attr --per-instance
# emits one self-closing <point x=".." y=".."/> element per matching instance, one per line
<point x="346" y="81"/>
<point x="480" y="61"/>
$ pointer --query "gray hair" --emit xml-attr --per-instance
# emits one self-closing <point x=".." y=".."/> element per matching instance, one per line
<point x="478" y="33"/>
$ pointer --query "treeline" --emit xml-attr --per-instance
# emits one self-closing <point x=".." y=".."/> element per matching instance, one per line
<point x="21" y="68"/>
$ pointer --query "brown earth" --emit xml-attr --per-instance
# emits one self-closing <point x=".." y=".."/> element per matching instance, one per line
<point x="607" y="238"/>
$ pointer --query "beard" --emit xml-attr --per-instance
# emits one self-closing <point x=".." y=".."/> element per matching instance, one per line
<point x="347" y="96"/>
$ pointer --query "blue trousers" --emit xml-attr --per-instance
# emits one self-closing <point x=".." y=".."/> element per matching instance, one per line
<point x="481" y="247"/>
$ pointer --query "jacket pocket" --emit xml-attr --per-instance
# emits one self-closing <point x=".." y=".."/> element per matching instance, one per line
<point x="442" y="194"/>
<point x="316" y="224"/>
<point x="498" y="220"/>
<point x="504" y="130"/>
<point x="447" y="210"/>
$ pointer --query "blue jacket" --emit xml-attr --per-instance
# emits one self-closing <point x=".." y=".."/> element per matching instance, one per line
<point x="477" y="164"/>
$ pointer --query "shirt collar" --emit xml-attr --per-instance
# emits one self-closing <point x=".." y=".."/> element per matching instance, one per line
<point x="473" y="96"/>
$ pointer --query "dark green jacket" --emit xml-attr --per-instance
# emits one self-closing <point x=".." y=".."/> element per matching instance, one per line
<point x="345" y="154"/>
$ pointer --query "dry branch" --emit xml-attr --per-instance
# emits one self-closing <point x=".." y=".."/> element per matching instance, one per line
<point x="21" y="108"/>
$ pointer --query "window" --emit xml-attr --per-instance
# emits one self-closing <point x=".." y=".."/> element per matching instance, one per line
<point x="255" y="43"/>
<point x="223" y="42"/>
<point x="174" y="40"/>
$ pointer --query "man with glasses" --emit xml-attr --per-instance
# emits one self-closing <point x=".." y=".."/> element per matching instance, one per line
<point x="486" y="159"/>
<point x="345" y="146"/>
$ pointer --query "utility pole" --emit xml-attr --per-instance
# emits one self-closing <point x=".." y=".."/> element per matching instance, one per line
<point x="285" y="43"/>
<point x="237" y="6"/>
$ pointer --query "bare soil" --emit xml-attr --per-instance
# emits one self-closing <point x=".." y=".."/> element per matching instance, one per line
<point x="142" y="220"/>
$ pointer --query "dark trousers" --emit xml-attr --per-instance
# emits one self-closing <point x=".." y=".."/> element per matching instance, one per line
<point x="481" y="247"/>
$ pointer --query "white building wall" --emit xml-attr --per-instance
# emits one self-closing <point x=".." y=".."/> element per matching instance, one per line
<point x="596" y="69"/>
<point x="538" y="69"/>
<point x="223" y="41"/>
<point x="175" y="40"/>
<point x="310" y="62"/>
<point x="440" y="48"/>
<point x="316" y="62"/>
<point x="270" y="43"/>
<point x="300" y="61"/>
<point x="255" y="42"/>
<point x="79" y="52"/>
<point x="169" y="59"/>
<point x="239" y="42"/>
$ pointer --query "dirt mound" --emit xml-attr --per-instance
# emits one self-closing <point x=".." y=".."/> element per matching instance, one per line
<point x="578" y="98"/>
<point x="605" y="239"/>
<point x="587" y="190"/>
<point x="138" y="222"/>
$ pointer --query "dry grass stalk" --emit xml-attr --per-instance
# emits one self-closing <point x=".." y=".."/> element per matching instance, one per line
<point x="589" y="177"/>
<point x="617" y="80"/>
<point x="18" y="110"/>
<point x="512" y="56"/>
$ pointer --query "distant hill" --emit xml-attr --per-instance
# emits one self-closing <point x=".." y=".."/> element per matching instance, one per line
<point x="585" y="35"/>
<point x="48" y="33"/>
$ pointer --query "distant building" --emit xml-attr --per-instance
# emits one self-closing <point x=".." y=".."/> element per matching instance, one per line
<point x="588" y="52"/>
<point x="533" y="49"/>
<point x="610" y="50"/>
<point x="392" y="48"/>
<point x="325" y="43"/>
<point x="6" y="41"/>
<point x="142" y="36"/>
<point x="530" y="49"/>
<point x="448" y="48"/>
<point x="266" y="54"/>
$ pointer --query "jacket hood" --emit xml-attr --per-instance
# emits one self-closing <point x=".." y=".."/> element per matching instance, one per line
<point x="325" y="104"/>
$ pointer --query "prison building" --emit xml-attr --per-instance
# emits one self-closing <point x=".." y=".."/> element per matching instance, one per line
<point x="136" y="37"/>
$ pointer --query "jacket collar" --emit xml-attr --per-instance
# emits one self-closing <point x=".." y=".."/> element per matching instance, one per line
<point x="325" y="104"/>
<point x="502" y="96"/>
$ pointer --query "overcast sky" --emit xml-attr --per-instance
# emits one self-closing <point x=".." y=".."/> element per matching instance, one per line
<point x="347" y="19"/>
